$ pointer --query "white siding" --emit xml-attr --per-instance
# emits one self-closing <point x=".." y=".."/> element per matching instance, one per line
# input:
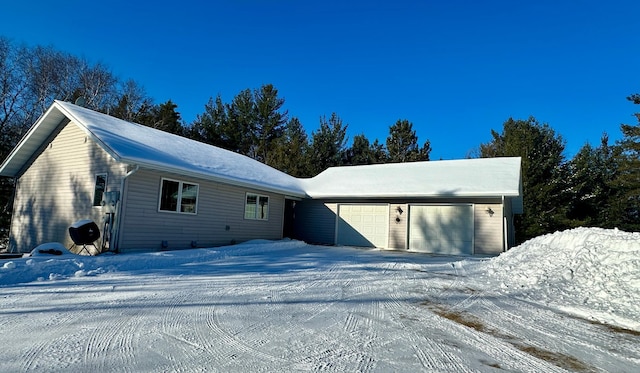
<point x="219" y="220"/>
<point x="57" y="190"/>
<point x="489" y="235"/>
<point x="398" y="220"/>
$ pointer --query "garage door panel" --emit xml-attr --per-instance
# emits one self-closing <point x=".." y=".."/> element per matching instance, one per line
<point x="446" y="229"/>
<point x="362" y="225"/>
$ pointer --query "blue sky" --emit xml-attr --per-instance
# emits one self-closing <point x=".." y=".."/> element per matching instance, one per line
<point x="455" y="69"/>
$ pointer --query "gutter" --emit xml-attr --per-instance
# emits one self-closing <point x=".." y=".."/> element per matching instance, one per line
<point x="290" y="191"/>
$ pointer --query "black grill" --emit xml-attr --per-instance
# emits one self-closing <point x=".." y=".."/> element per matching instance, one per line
<point x="84" y="232"/>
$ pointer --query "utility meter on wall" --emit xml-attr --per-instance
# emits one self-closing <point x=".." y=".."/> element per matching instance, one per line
<point x="109" y="201"/>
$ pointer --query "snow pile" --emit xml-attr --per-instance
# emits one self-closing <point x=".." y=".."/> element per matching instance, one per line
<point x="591" y="272"/>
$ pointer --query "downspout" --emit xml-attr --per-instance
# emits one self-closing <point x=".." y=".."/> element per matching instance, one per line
<point x="505" y="228"/>
<point x="119" y="209"/>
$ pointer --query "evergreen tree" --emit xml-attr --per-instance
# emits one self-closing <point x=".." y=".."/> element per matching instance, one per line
<point x="543" y="173"/>
<point x="328" y="144"/>
<point x="240" y="127"/>
<point x="625" y="204"/>
<point x="591" y="172"/>
<point x="360" y="152"/>
<point x="209" y="126"/>
<point x="291" y="151"/>
<point x="270" y="121"/>
<point x="165" y="118"/>
<point x="402" y="144"/>
<point x="378" y="153"/>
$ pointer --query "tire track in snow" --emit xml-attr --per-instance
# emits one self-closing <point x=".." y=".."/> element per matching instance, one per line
<point x="111" y="343"/>
<point x="208" y="340"/>
<point x="182" y="323"/>
<point x="504" y="351"/>
<point x="548" y="330"/>
<point x="538" y="330"/>
<point x="445" y="359"/>
<point x="42" y="353"/>
<point x="338" y="352"/>
<point x="430" y="352"/>
<point x="358" y="325"/>
<point x="234" y="348"/>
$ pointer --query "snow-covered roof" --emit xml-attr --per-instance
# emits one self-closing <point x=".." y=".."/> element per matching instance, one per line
<point x="148" y="147"/>
<point x="480" y="177"/>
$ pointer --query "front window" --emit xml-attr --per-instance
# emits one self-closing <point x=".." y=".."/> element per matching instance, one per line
<point x="99" y="189"/>
<point x="256" y="207"/>
<point x="178" y="196"/>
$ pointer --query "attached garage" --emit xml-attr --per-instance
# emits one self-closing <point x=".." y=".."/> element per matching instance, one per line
<point x="364" y="225"/>
<point x="441" y="229"/>
<point x="456" y="207"/>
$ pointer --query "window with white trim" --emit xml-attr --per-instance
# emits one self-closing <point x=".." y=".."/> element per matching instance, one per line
<point x="99" y="188"/>
<point x="256" y="207"/>
<point x="178" y="196"/>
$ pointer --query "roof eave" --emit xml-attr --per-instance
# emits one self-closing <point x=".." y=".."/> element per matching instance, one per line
<point x="218" y="178"/>
<point x="412" y="195"/>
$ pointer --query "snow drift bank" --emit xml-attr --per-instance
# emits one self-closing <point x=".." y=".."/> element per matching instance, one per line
<point x="43" y="265"/>
<point x="591" y="272"/>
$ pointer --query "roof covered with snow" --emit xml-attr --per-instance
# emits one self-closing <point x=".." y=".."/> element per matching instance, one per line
<point x="146" y="147"/>
<point x="481" y="177"/>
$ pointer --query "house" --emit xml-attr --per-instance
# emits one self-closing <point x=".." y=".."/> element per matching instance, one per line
<point x="164" y="191"/>
<point x="151" y="190"/>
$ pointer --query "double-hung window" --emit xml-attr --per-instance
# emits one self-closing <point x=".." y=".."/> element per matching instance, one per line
<point x="256" y="207"/>
<point x="178" y="196"/>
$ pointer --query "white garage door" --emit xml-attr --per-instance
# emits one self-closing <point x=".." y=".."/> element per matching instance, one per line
<point x="363" y="225"/>
<point x="446" y="229"/>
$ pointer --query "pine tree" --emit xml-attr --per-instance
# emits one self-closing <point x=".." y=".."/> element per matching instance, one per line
<point x="208" y="127"/>
<point x="239" y="131"/>
<point x="543" y="173"/>
<point x="402" y="144"/>
<point x="626" y="203"/>
<point x="327" y="144"/>
<point x="291" y="151"/>
<point x="164" y="117"/>
<point x="378" y="153"/>
<point x="360" y="152"/>
<point x="591" y="172"/>
<point x="270" y="121"/>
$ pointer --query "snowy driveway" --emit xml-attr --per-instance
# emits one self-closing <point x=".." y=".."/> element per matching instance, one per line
<point x="287" y="306"/>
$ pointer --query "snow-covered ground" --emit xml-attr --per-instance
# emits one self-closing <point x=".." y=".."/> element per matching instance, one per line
<point x="569" y="301"/>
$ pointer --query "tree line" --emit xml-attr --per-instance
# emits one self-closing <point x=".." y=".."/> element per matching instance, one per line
<point x="599" y="186"/>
